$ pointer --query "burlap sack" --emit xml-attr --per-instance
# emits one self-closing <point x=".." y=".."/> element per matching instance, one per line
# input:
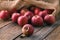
<point x="17" y="4"/>
<point x="46" y="4"/>
<point x="11" y="4"/>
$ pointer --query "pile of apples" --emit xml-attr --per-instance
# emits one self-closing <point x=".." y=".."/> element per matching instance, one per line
<point x="29" y="17"/>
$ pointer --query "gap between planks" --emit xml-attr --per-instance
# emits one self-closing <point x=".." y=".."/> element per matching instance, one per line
<point x="4" y="23"/>
<point x="42" y="33"/>
<point x="12" y="30"/>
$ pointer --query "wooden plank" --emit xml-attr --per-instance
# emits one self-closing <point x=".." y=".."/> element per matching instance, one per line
<point x="12" y="30"/>
<point x="4" y="23"/>
<point x="9" y="32"/>
<point x="42" y="33"/>
<point x="55" y="35"/>
<point x="44" y="30"/>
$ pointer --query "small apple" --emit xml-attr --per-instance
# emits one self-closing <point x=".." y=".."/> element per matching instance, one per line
<point x="22" y="20"/>
<point x="36" y="11"/>
<point x="27" y="29"/>
<point x="49" y="11"/>
<point x="23" y="11"/>
<point x="37" y="20"/>
<point x="28" y="14"/>
<point x="4" y="14"/>
<point x="50" y="19"/>
<point x="43" y="13"/>
<point x="15" y="17"/>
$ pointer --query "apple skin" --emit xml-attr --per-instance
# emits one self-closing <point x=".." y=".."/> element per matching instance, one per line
<point x="50" y="19"/>
<point x="15" y="17"/>
<point x="27" y="30"/>
<point x="49" y="11"/>
<point x="29" y="14"/>
<point x="23" y="11"/>
<point x="4" y="14"/>
<point x="22" y="20"/>
<point x="36" y="11"/>
<point x="37" y="20"/>
<point x="43" y="13"/>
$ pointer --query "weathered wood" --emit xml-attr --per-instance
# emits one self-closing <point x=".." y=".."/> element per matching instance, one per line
<point x="12" y="30"/>
<point x="42" y="33"/>
<point x="9" y="31"/>
<point x="4" y="23"/>
<point x="55" y="35"/>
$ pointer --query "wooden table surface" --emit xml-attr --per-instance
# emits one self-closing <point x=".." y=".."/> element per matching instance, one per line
<point x="10" y="30"/>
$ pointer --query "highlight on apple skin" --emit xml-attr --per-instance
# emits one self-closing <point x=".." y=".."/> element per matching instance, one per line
<point x="50" y="19"/>
<point x="36" y="11"/>
<point x="29" y="14"/>
<point x="37" y="20"/>
<point x="4" y="14"/>
<point x="15" y="17"/>
<point x="22" y="20"/>
<point x="43" y="13"/>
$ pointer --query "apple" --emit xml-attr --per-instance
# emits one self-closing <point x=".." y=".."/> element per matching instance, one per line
<point x="29" y="14"/>
<point x="49" y="11"/>
<point x="27" y="29"/>
<point x="23" y="11"/>
<point x="37" y="20"/>
<point x="4" y="14"/>
<point x="22" y="20"/>
<point x="36" y="11"/>
<point x="50" y="19"/>
<point x="43" y="13"/>
<point x="15" y="17"/>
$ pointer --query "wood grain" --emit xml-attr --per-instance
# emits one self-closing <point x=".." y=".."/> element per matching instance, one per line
<point x="42" y="33"/>
<point x="9" y="31"/>
<point x="4" y="23"/>
<point x="55" y="35"/>
<point x="12" y="30"/>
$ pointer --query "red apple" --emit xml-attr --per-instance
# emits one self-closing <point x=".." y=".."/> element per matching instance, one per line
<point x="37" y="20"/>
<point x="15" y="17"/>
<point x="28" y="14"/>
<point x="36" y="11"/>
<point x="23" y="11"/>
<point x="27" y="29"/>
<point x="49" y="19"/>
<point x="43" y="13"/>
<point x="49" y="11"/>
<point x="22" y="20"/>
<point x="4" y="14"/>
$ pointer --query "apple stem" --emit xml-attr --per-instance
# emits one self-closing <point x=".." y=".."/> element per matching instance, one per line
<point x="27" y="29"/>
